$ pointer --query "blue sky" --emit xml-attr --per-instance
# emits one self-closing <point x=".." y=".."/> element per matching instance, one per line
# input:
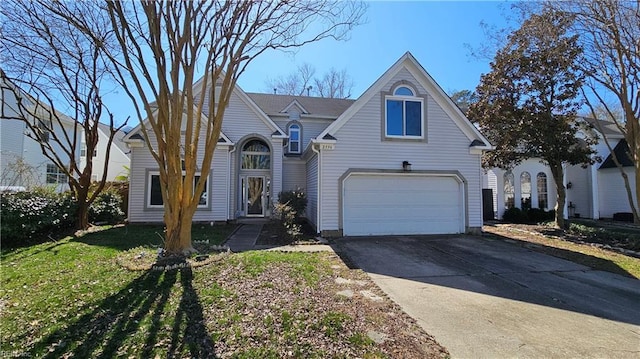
<point x="435" y="32"/>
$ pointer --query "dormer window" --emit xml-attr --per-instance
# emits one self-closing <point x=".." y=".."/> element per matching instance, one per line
<point x="404" y="114"/>
<point x="294" y="138"/>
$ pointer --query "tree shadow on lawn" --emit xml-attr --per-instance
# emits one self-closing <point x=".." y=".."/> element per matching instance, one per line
<point x="141" y="310"/>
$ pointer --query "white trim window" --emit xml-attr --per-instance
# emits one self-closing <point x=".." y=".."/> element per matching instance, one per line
<point x="404" y="114"/>
<point x="525" y="190"/>
<point x="154" y="194"/>
<point x="55" y="175"/>
<point x="509" y="190"/>
<point x="294" y="138"/>
<point x="541" y="180"/>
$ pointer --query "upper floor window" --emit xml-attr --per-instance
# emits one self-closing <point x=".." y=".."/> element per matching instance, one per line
<point x="55" y="175"/>
<point x="294" y="138"/>
<point x="256" y="155"/>
<point x="404" y="114"/>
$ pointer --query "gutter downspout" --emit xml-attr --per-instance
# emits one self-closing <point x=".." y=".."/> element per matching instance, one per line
<point x="319" y="190"/>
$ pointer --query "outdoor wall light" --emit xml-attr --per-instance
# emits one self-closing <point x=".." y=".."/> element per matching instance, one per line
<point x="406" y="166"/>
<point x="569" y="185"/>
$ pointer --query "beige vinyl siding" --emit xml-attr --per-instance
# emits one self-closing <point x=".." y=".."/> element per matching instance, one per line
<point x="360" y="146"/>
<point x="312" y="190"/>
<point x="142" y="162"/>
<point x="293" y="174"/>
<point x="311" y="128"/>
<point x="241" y="123"/>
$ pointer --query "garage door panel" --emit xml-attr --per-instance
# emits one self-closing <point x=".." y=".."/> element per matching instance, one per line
<point x="375" y="204"/>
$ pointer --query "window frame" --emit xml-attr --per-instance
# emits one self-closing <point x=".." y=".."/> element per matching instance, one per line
<point x="543" y="176"/>
<point x="57" y="174"/>
<point x="149" y="189"/>
<point x="298" y="141"/>
<point x="525" y="176"/>
<point x="404" y="99"/>
<point x="508" y="177"/>
<point x="243" y="152"/>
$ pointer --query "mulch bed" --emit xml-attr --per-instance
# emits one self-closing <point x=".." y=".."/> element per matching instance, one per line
<point x="274" y="234"/>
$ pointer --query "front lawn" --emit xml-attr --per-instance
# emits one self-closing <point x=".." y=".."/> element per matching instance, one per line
<point x="72" y="298"/>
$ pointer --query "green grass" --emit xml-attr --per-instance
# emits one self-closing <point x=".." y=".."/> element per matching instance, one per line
<point x="70" y="298"/>
<point x="74" y="288"/>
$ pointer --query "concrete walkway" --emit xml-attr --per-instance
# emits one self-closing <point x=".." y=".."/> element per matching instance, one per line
<point x="244" y="238"/>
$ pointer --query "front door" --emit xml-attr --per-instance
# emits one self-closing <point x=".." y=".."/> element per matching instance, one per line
<point x="254" y="196"/>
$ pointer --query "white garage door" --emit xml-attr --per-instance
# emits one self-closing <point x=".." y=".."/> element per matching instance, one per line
<point x="401" y="204"/>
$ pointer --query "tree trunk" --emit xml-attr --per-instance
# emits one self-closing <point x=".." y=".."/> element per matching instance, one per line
<point x="558" y="177"/>
<point x="178" y="236"/>
<point x="82" y="212"/>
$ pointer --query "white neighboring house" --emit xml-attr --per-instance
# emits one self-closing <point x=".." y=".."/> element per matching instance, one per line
<point x="596" y="191"/>
<point x="401" y="159"/>
<point x="119" y="160"/>
<point x="22" y="164"/>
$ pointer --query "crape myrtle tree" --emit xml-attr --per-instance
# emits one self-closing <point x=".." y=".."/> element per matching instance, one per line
<point x="51" y="67"/>
<point x="609" y="33"/>
<point x="165" y="46"/>
<point x="527" y="104"/>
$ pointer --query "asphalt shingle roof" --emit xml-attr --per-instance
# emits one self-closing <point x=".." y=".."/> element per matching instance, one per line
<point x="273" y="104"/>
<point x="622" y="154"/>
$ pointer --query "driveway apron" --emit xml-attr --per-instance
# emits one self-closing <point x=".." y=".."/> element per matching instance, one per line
<point x="487" y="298"/>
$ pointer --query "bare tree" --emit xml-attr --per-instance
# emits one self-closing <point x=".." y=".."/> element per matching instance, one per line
<point x="296" y="83"/>
<point x="333" y="84"/>
<point x="51" y="67"/>
<point x="164" y="43"/>
<point x="609" y="32"/>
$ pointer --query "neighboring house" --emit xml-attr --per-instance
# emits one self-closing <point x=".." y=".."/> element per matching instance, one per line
<point x="118" y="158"/>
<point x="401" y="159"/>
<point x="22" y="164"/>
<point x="595" y="191"/>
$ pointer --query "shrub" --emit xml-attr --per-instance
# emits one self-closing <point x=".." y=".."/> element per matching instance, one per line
<point x="287" y="219"/>
<point x="27" y="215"/>
<point x="296" y="199"/>
<point x="515" y="215"/>
<point x="290" y="206"/>
<point x="106" y="208"/>
<point x="532" y="215"/>
<point x="537" y="215"/>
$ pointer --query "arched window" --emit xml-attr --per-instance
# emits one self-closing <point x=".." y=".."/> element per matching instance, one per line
<point x="404" y="114"/>
<point x="509" y="191"/>
<point x="525" y="190"/>
<point x="541" y="180"/>
<point x="256" y="156"/>
<point x="403" y="91"/>
<point x="294" y="138"/>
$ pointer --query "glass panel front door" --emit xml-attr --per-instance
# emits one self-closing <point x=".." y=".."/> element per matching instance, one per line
<point x="255" y="196"/>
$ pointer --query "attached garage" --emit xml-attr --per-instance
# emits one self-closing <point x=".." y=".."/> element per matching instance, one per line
<point x="402" y="204"/>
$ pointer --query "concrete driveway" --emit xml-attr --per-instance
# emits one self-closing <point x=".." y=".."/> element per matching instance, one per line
<point x="487" y="298"/>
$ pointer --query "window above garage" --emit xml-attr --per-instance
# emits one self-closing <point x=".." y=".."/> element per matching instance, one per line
<point x="404" y="114"/>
